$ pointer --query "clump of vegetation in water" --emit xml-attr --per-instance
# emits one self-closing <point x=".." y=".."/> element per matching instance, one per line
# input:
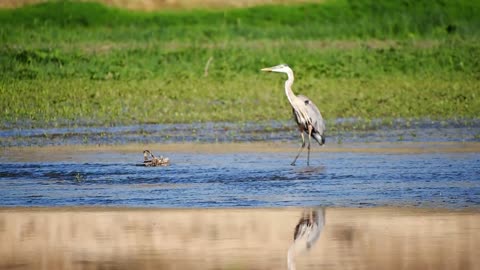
<point x="75" y="63"/>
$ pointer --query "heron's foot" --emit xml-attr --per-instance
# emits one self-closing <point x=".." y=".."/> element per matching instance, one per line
<point x="293" y="163"/>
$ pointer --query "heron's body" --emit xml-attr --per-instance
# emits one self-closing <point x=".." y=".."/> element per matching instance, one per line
<point x="317" y="123"/>
<point x="306" y="114"/>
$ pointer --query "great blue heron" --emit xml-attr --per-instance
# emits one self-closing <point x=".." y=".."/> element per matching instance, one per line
<point x="308" y="117"/>
<point x="307" y="231"/>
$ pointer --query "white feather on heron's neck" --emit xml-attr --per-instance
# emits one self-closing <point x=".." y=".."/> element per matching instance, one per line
<point x="288" y="86"/>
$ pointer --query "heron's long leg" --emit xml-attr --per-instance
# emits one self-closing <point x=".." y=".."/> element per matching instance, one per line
<point x="299" y="150"/>
<point x="309" y="141"/>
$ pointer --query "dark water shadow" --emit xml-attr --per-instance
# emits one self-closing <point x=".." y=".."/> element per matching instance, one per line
<point x="312" y="170"/>
<point x="344" y="130"/>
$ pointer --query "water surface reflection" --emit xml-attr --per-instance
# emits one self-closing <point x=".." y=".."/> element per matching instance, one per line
<point x="307" y="231"/>
<point x="116" y="238"/>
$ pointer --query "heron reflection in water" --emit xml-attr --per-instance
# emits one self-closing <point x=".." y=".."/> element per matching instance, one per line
<point x="306" y="233"/>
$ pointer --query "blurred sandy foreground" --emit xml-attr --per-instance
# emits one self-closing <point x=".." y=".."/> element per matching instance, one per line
<point x="118" y="238"/>
<point x="167" y="4"/>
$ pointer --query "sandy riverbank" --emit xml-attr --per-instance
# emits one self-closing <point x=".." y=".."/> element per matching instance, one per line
<point x="71" y="152"/>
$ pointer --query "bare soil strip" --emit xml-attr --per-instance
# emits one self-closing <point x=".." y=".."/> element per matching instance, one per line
<point x="70" y="152"/>
<point x="375" y="238"/>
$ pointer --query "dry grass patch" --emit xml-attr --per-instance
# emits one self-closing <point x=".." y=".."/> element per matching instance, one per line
<point x="150" y="5"/>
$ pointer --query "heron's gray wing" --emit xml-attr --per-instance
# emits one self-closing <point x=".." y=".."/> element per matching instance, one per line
<point x="314" y="114"/>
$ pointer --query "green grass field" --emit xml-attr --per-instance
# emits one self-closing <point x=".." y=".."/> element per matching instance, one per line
<point x="69" y="63"/>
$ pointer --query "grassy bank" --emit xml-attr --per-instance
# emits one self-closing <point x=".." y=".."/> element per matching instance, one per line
<point x="68" y="63"/>
<point x="331" y="19"/>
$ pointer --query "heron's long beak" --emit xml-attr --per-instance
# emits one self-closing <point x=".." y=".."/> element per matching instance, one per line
<point x="266" y="69"/>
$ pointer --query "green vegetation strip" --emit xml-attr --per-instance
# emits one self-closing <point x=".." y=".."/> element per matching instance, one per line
<point x="72" y="63"/>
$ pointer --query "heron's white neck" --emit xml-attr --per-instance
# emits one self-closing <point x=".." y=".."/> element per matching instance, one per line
<point x="288" y="87"/>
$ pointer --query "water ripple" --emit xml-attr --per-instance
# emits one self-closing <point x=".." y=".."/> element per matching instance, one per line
<point x="251" y="180"/>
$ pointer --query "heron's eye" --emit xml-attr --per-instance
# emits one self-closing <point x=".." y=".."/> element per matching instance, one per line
<point x="307" y="101"/>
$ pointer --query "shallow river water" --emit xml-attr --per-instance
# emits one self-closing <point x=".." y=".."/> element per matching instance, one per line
<point x="244" y="175"/>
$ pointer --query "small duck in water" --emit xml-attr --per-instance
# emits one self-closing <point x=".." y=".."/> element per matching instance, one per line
<point x="150" y="160"/>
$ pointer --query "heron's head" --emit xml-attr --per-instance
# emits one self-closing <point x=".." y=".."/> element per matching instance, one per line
<point x="283" y="68"/>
